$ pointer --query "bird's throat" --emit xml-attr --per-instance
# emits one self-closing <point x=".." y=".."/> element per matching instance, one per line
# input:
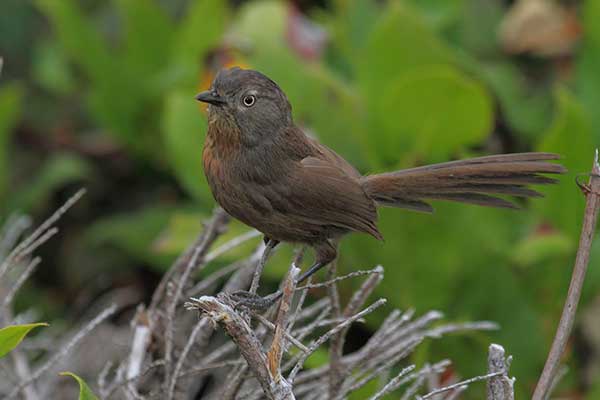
<point x="223" y="138"/>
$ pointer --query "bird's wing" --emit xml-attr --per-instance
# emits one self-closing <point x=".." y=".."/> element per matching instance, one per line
<point x="328" y="155"/>
<point x="319" y="192"/>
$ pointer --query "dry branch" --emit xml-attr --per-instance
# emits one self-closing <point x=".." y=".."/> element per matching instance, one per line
<point x="244" y="337"/>
<point x="29" y="245"/>
<point x="592" y="193"/>
<point x="170" y="354"/>
<point x="500" y="387"/>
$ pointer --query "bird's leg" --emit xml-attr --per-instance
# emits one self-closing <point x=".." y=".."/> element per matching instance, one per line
<point x="249" y="298"/>
<point x="270" y="244"/>
<point x="326" y="253"/>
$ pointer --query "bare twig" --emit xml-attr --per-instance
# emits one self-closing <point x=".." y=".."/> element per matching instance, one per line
<point x="11" y="231"/>
<point x="277" y="346"/>
<point x="20" y="281"/>
<point x="182" y="262"/>
<point x="463" y="326"/>
<point x="235" y="379"/>
<point x="43" y="238"/>
<point x="209" y="236"/>
<point x="287" y="335"/>
<point x="337" y="279"/>
<point x="102" y="379"/>
<point x="261" y="265"/>
<point x="385" y="365"/>
<point x="23" y="371"/>
<point x="211" y="367"/>
<point x="25" y="247"/>
<point x="124" y="384"/>
<point x="315" y="345"/>
<point x="299" y="257"/>
<point x="182" y="358"/>
<point x="560" y="374"/>
<point x="139" y="346"/>
<point x="420" y="377"/>
<point x="336" y="370"/>
<point x="592" y="191"/>
<point x="140" y="341"/>
<point x="337" y="342"/>
<point x="242" y="335"/>
<point x="230" y="245"/>
<point x="456" y="393"/>
<point x="234" y="283"/>
<point x="461" y="384"/>
<point x="392" y="383"/>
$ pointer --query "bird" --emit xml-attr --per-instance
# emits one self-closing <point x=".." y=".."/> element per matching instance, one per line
<point x="266" y="172"/>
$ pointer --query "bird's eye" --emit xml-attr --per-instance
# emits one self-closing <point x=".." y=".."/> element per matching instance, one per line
<point x="249" y="100"/>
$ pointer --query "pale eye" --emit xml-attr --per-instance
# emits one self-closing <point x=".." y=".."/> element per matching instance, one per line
<point x="249" y="100"/>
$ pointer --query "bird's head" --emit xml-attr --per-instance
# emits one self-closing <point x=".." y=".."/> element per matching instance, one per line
<point x="248" y="100"/>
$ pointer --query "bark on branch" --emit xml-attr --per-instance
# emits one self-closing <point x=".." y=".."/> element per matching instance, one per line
<point x="592" y="193"/>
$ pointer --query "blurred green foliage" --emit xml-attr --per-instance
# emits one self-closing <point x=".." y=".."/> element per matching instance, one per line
<point x="398" y="83"/>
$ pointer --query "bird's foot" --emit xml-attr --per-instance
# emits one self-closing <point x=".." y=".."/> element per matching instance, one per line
<point x="253" y="301"/>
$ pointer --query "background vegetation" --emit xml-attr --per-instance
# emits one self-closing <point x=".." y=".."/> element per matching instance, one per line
<point x="100" y="94"/>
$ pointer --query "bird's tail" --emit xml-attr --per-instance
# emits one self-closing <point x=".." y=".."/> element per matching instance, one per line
<point x="475" y="181"/>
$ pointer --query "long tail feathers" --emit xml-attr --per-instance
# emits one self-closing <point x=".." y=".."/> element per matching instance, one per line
<point x="474" y="181"/>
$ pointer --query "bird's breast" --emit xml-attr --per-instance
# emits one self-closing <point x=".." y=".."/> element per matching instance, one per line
<point x="236" y="181"/>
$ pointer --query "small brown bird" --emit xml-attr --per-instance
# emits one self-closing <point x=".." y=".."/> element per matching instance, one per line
<point x="263" y="170"/>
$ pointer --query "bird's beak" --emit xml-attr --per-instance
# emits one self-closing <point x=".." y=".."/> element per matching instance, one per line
<point x="210" y="97"/>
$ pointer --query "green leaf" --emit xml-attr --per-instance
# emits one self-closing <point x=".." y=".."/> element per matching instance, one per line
<point x="79" y="37"/>
<point x="179" y="231"/>
<point x="56" y="172"/>
<point x="401" y="41"/>
<point x="441" y="112"/>
<point x="261" y="24"/>
<point x="588" y="59"/>
<point x="351" y="23"/>
<point x="114" y="96"/>
<point x="148" y="31"/>
<point x="541" y="247"/>
<point x="11" y="336"/>
<point x="51" y="69"/>
<point x="134" y="233"/>
<point x="440" y="13"/>
<point x="478" y="26"/>
<point x="10" y="110"/>
<point x="526" y="107"/>
<point x="199" y="31"/>
<point x="184" y="129"/>
<point x="570" y="136"/>
<point x="430" y="278"/>
<point x="494" y="292"/>
<point x="85" y="393"/>
<point x="183" y="227"/>
<point x="594" y="392"/>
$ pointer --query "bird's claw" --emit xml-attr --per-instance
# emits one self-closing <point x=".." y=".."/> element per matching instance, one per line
<point x="252" y="301"/>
